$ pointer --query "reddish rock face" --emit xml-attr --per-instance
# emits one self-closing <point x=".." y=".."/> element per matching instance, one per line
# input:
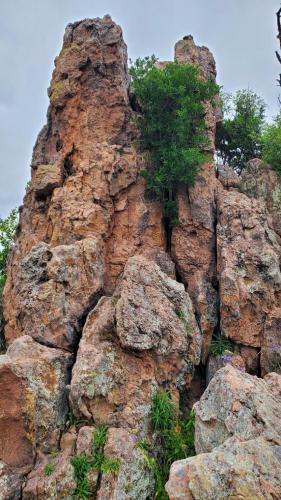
<point x="33" y="402"/>
<point x="85" y="212"/>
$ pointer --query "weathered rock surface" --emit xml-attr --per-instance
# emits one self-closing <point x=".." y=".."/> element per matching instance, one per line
<point x="236" y="404"/>
<point x="142" y="338"/>
<point x="33" y="403"/>
<point x="233" y="470"/>
<point x="54" y="288"/>
<point x="10" y="483"/>
<point x="248" y="267"/>
<point x="237" y="440"/>
<point x="262" y="182"/>
<point x="134" y="479"/>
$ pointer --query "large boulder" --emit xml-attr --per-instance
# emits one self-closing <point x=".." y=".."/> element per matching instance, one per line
<point x="234" y="470"/>
<point x="142" y="338"/>
<point x="260" y="181"/>
<point x="248" y="271"/>
<point x="33" y="400"/>
<point x="55" y="288"/>
<point x="238" y="441"/>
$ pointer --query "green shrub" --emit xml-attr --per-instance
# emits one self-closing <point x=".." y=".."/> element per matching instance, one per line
<point x="7" y="231"/>
<point x="239" y="137"/>
<point x="271" y="144"/>
<point x="172" y="126"/>
<point x="175" y="438"/>
<point x="49" y="469"/>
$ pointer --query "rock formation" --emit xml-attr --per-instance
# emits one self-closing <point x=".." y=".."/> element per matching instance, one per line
<point x="102" y="308"/>
<point x="237" y="440"/>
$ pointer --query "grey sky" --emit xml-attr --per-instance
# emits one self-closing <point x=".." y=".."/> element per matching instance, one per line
<point x="240" y="33"/>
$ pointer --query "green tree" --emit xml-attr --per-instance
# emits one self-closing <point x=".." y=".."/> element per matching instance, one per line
<point x="238" y="138"/>
<point x="271" y="144"/>
<point x="7" y="231"/>
<point x="172" y="126"/>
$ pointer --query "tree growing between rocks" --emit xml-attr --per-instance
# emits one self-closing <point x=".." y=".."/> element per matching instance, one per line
<point x="239" y="137"/>
<point x="271" y="144"/>
<point x="7" y="231"/>
<point x="172" y="126"/>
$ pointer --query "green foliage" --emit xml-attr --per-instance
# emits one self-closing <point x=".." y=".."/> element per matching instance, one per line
<point x="181" y="315"/>
<point x="100" y="435"/>
<point x="83" y="463"/>
<point x="175" y="437"/>
<point x="163" y="412"/>
<point x="7" y="231"/>
<point x="172" y="126"/>
<point x="238" y="138"/>
<point x="219" y="345"/>
<point x="271" y="144"/>
<point x="110" y="465"/>
<point x="49" y="469"/>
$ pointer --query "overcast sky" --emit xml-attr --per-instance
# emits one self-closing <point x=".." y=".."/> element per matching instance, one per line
<point x="240" y="33"/>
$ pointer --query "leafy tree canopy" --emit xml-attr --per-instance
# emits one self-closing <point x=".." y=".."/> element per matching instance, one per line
<point x="172" y="125"/>
<point x="271" y="144"/>
<point x="238" y="138"/>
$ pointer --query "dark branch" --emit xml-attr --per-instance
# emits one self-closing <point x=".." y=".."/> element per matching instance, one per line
<point x="278" y="56"/>
<point x="278" y="14"/>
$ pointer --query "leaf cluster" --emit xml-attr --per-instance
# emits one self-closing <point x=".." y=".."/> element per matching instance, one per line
<point x="239" y="137"/>
<point x="172" y="125"/>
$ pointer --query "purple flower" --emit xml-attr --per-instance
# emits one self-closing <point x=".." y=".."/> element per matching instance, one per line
<point x="134" y="438"/>
<point x="227" y="358"/>
<point x="241" y="369"/>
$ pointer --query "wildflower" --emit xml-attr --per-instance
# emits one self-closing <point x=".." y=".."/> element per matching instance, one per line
<point x="227" y="358"/>
<point x="177" y="429"/>
<point x="134" y="438"/>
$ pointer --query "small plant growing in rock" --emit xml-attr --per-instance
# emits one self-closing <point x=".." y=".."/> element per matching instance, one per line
<point x="181" y="315"/>
<point x="83" y="463"/>
<point x="49" y="469"/>
<point x="220" y="345"/>
<point x="72" y="420"/>
<point x="174" y="438"/>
